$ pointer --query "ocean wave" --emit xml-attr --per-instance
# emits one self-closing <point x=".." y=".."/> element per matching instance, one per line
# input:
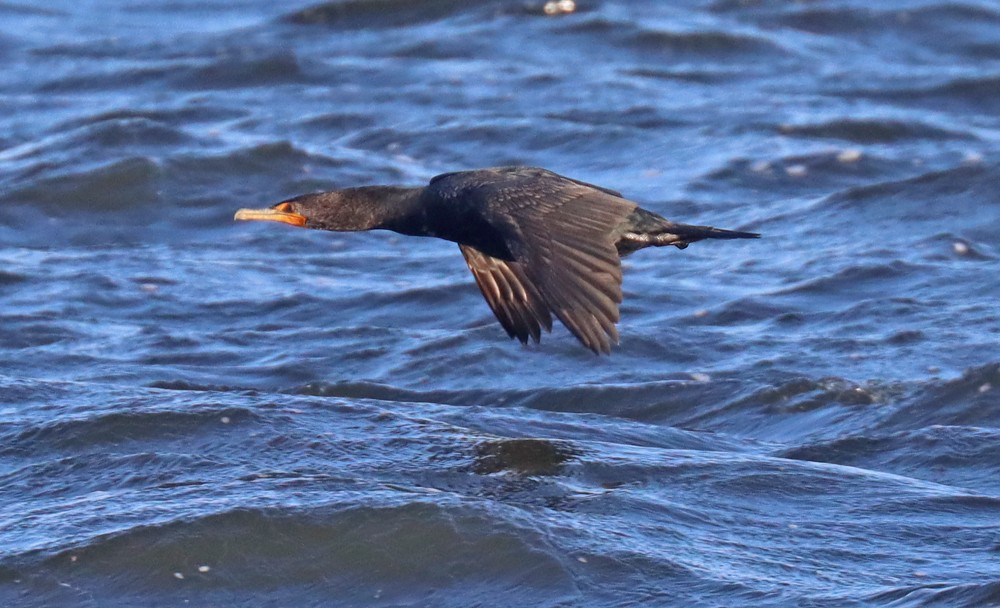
<point x="940" y="594"/>
<point x="374" y="13"/>
<point x="103" y="78"/>
<point x="960" y="456"/>
<point x="649" y="402"/>
<point x="34" y="331"/>
<point x="132" y="425"/>
<point x="979" y="94"/>
<point x="10" y="278"/>
<point x="964" y="401"/>
<point x="128" y="183"/>
<point x="182" y="114"/>
<point x="523" y="456"/>
<point x="958" y="28"/>
<point x="236" y="70"/>
<point x="857" y="280"/>
<point x="932" y="191"/>
<point x="361" y="553"/>
<point x="706" y="44"/>
<point x="640" y="117"/>
<point x="869" y="131"/>
<point x="795" y="175"/>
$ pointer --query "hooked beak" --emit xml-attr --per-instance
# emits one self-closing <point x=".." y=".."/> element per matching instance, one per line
<point x="271" y="215"/>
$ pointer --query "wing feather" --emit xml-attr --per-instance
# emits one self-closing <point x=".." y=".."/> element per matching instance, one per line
<point x="567" y="241"/>
<point x="514" y="301"/>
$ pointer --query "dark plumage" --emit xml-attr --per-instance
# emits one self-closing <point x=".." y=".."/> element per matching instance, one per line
<point x="538" y="244"/>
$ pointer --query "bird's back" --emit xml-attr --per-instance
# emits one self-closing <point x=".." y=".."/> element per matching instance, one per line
<point x="509" y="200"/>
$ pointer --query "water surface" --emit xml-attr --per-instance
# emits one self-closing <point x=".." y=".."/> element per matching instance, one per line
<point x="198" y="412"/>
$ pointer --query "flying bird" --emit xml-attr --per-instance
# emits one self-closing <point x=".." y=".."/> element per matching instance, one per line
<point x="538" y="243"/>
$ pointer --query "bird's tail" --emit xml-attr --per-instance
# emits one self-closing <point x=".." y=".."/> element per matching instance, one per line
<point x="690" y="234"/>
<point x="647" y="229"/>
<point x="682" y="235"/>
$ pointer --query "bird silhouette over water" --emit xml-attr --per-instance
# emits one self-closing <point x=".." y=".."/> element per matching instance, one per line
<point x="538" y="244"/>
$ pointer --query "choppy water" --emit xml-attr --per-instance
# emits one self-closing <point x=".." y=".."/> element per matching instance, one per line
<point x="194" y="412"/>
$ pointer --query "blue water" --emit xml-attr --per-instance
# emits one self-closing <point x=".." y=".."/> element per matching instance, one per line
<point x="198" y="412"/>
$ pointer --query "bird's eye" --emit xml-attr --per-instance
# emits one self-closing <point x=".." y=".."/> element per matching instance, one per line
<point x="283" y="207"/>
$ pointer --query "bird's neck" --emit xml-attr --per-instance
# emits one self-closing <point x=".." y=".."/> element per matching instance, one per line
<point x="383" y="207"/>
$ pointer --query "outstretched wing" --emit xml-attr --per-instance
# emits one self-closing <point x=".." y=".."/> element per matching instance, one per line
<point x="511" y="295"/>
<point x="561" y="235"/>
<point x="568" y="247"/>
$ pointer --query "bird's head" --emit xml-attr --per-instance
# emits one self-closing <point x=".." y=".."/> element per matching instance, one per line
<point x="340" y="210"/>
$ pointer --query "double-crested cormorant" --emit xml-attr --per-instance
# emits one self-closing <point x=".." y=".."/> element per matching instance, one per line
<point x="538" y="244"/>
